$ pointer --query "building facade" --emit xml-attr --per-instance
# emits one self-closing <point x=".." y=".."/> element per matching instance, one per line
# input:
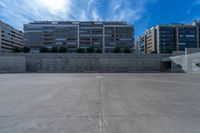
<point x="73" y="34"/>
<point x="10" y="38"/>
<point x="150" y="40"/>
<point x="141" y="44"/>
<point x="197" y="23"/>
<point x="171" y="37"/>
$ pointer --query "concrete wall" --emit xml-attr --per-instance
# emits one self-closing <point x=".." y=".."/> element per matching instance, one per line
<point x="0" y="38"/>
<point x="12" y="64"/>
<point x="62" y="63"/>
<point x="192" y="50"/>
<point x="194" y="62"/>
<point x="71" y="62"/>
<point x="186" y="63"/>
<point x="134" y="63"/>
<point x="93" y="63"/>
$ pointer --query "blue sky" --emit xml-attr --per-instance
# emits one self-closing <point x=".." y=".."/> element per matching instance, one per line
<point x="142" y="13"/>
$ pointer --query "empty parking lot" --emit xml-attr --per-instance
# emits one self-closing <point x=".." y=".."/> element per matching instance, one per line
<point x="100" y="103"/>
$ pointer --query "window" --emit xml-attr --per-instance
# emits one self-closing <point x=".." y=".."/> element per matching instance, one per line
<point x="182" y="43"/>
<point x="60" y="39"/>
<point x="189" y="35"/>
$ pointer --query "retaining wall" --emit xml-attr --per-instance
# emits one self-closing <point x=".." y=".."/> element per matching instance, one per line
<point x="186" y="63"/>
<point x="12" y="64"/>
<point x="71" y="62"/>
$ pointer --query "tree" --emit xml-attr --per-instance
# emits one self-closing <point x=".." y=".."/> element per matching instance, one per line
<point x="54" y="49"/>
<point x="62" y="49"/>
<point x="98" y="51"/>
<point x="126" y="50"/>
<point x="117" y="50"/>
<point x="26" y="49"/>
<point x="44" y="50"/>
<point x="154" y="52"/>
<point x="90" y="50"/>
<point x="80" y="50"/>
<point x="17" y="50"/>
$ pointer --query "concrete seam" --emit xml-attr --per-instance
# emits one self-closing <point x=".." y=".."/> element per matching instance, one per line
<point x="101" y="122"/>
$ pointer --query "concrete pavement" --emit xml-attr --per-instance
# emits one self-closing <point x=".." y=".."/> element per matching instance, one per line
<point x="99" y="103"/>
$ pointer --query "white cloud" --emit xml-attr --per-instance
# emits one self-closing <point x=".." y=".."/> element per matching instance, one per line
<point x="24" y="11"/>
<point x="95" y="16"/>
<point x="90" y="3"/>
<point x="55" y="6"/>
<point x="83" y="16"/>
<point x="128" y="10"/>
<point x="197" y="1"/>
<point x="18" y="12"/>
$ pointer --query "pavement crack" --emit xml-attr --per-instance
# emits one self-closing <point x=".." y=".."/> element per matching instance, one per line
<point x="19" y="116"/>
<point x="101" y="116"/>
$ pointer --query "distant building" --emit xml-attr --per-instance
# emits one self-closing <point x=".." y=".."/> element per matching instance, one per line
<point x="10" y="38"/>
<point x="172" y="37"/>
<point x="141" y="44"/>
<point x="73" y="34"/>
<point x="150" y="40"/>
<point x="197" y="23"/>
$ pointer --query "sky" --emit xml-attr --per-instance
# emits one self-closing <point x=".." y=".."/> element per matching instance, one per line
<point x="143" y="14"/>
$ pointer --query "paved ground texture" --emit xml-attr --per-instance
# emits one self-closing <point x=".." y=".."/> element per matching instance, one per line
<point x="100" y="103"/>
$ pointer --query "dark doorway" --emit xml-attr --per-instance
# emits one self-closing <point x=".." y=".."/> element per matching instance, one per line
<point x="166" y="66"/>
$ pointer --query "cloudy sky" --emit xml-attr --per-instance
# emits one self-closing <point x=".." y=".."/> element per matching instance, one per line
<point x="142" y="13"/>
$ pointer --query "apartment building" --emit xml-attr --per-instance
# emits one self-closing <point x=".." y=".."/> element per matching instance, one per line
<point x="141" y="44"/>
<point x="150" y="40"/>
<point x="171" y="37"/>
<point x="10" y="38"/>
<point x="75" y="34"/>
<point x="197" y="24"/>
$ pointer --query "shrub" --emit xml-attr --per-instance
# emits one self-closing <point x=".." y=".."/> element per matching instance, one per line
<point x="17" y="50"/>
<point x="80" y="50"/>
<point x="26" y="50"/>
<point x="126" y="50"/>
<point x="98" y="51"/>
<point x="117" y="50"/>
<point x="54" y="50"/>
<point x="44" y="50"/>
<point x="62" y="49"/>
<point x="90" y="50"/>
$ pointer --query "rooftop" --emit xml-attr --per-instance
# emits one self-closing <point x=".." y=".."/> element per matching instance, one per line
<point x="96" y="103"/>
<point x="78" y="22"/>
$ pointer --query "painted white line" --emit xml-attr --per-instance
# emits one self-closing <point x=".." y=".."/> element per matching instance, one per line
<point x="99" y="77"/>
